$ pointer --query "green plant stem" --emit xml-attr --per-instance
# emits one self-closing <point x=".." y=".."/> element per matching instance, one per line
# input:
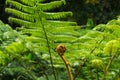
<point x="48" y="45"/>
<point x="50" y="53"/>
<point x="70" y="76"/>
<point x="108" y="66"/>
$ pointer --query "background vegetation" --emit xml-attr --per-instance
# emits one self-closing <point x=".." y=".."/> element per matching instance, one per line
<point x="30" y="51"/>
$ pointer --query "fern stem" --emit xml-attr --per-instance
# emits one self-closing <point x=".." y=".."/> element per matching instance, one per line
<point x="108" y="66"/>
<point x="49" y="53"/>
<point x="48" y="45"/>
<point x="67" y="67"/>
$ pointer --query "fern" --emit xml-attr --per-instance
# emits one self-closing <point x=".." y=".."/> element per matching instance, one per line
<point x="46" y="31"/>
<point x="92" y="49"/>
<point x="42" y="24"/>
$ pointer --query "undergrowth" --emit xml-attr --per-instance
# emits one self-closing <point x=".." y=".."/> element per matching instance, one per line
<point x="29" y="52"/>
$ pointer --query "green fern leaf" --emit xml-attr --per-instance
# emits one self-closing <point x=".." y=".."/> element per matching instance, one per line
<point x="20" y="14"/>
<point x="21" y="22"/>
<point x="28" y="2"/>
<point x="49" y="6"/>
<point x="58" y="15"/>
<point x="61" y="23"/>
<point x="112" y="47"/>
<point x="20" y="6"/>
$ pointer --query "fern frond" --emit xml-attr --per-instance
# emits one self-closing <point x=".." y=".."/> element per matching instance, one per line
<point x="46" y="32"/>
<point x="20" y="6"/>
<point x="21" y="22"/>
<point x="20" y="14"/>
<point x="49" y="6"/>
<point x="57" y="15"/>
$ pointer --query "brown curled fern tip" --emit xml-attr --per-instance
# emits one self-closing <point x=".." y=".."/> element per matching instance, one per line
<point x="61" y="50"/>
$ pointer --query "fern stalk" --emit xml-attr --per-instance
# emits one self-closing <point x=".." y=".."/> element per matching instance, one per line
<point x="67" y="67"/>
<point x="54" y="73"/>
<point x="108" y="66"/>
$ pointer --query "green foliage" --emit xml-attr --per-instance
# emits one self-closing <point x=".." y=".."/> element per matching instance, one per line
<point x="112" y="47"/>
<point x="16" y="47"/>
<point x="15" y="58"/>
<point x="32" y="48"/>
<point x="43" y="30"/>
<point x="93" y="47"/>
<point x="3" y="58"/>
<point x="7" y="34"/>
<point x="97" y="63"/>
